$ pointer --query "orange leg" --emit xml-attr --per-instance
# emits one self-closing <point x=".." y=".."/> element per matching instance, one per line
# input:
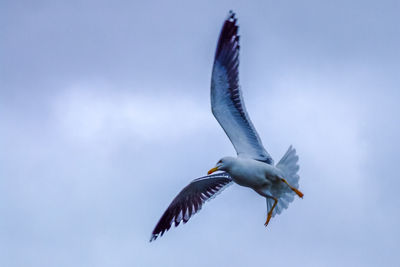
<point x="300" y="194"/>
<point x="270" y="212"/>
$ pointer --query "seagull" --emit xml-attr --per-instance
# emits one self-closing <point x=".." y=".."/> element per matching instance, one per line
<point x="253" y="167"/>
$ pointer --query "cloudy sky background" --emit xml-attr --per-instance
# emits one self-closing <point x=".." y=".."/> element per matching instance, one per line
<point x="105" y="116"/>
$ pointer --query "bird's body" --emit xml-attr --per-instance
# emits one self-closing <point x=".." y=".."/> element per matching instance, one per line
<point x="253" y="167"/>
<point x="252" y="173"/>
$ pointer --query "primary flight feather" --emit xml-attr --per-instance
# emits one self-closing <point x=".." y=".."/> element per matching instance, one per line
<point x="253" y="167"/>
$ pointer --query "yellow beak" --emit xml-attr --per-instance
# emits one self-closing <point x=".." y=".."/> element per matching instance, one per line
<point x="212" y="170"/>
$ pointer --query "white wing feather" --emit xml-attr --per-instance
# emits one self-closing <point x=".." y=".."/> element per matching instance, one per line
<point x="226" y="98"/>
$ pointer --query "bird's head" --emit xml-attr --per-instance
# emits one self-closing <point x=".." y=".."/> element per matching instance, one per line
<point x="223" y="164"/>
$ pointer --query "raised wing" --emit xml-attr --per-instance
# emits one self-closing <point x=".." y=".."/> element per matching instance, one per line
<point x="226" y="98"/>
<point x="190" y="200"/>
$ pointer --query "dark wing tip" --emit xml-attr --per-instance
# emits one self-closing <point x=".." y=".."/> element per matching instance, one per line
<point x="228" y="39"/>
<point x="153" y="237"/>
<point x="231" y="15"/>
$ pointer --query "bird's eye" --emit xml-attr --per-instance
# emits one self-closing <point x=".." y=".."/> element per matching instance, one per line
<point x="220" y="161"/>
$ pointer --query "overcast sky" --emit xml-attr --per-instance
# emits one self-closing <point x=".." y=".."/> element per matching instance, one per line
<point x="105" y="116"/>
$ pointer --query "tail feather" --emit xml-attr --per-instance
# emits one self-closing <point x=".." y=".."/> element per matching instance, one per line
<point x="288" y="165"/>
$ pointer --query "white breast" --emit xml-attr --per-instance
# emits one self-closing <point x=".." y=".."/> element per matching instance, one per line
<point x="252" y="173"/>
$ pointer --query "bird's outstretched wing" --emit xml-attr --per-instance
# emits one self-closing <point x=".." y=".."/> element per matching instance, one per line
<point x="226" y="98"/>
<point x="190" y="200"/>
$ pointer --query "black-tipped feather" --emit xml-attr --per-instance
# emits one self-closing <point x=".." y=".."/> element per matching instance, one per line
<point x="226" y="99"/>
<point x="190" y="200"/>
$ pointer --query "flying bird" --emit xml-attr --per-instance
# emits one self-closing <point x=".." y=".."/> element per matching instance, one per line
<point x="253" y="167"/>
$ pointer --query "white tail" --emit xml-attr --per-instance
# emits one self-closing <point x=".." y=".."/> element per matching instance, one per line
<point x="288" y="165"/>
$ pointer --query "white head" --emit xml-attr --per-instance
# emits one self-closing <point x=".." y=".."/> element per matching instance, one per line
<point x="223" y="164"/>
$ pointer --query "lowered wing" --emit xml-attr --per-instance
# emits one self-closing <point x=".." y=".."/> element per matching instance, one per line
<point x="190" y="200"/>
